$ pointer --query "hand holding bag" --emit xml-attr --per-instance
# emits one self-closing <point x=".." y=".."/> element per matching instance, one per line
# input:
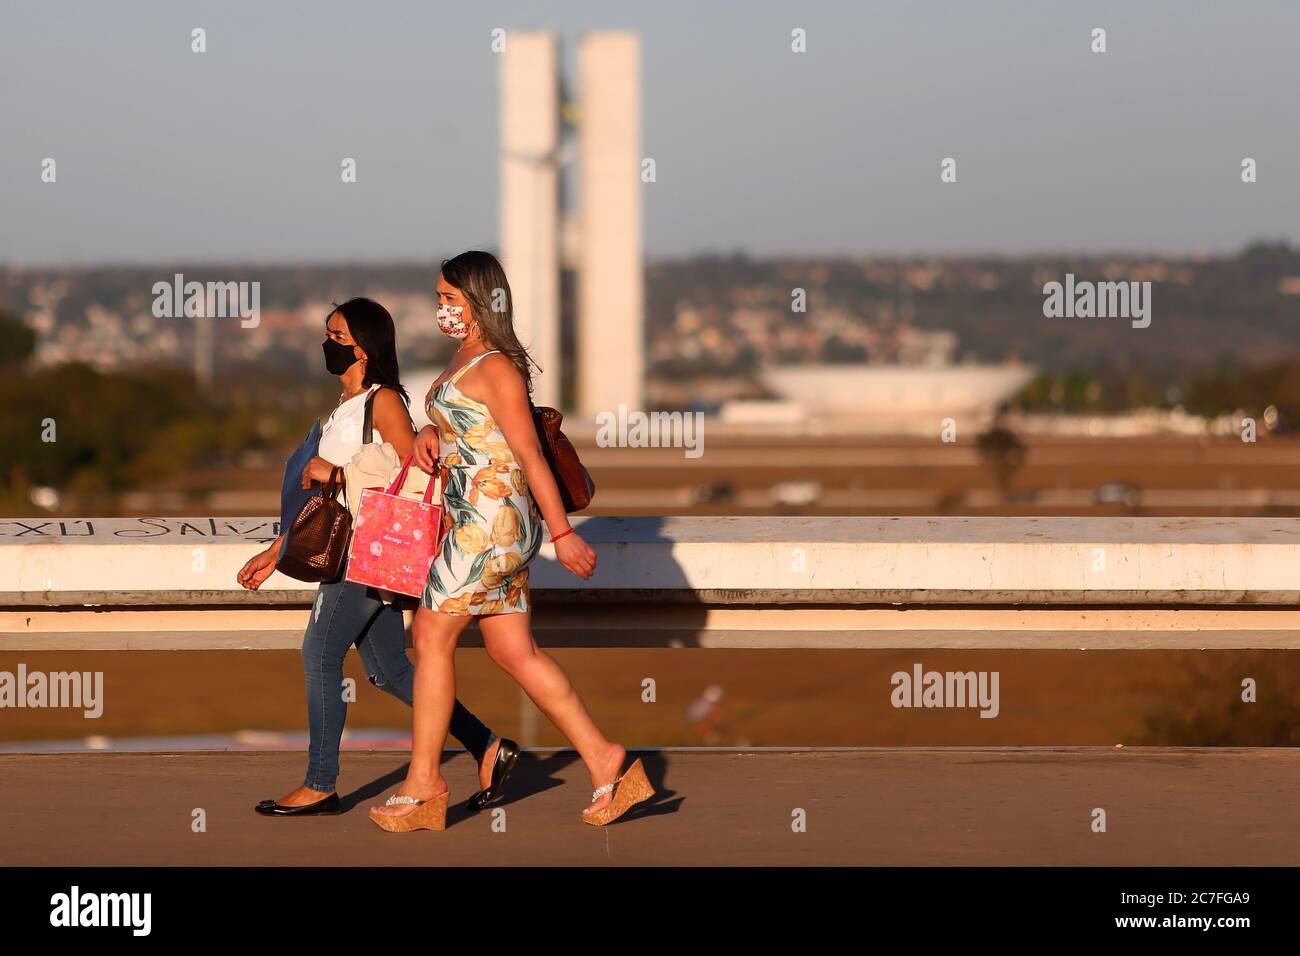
<point x="317" y="541"/>
<point x="395" y="539"/>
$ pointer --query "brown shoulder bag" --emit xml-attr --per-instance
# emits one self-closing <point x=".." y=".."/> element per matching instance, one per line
<point x="316" y="544"/>
<point x="574" y="481"/>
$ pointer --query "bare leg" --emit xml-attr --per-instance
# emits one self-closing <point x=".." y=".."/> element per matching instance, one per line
<point x="434" y="636"/>
<point x="301" y="797"/>
<point x="509" y="642"/>
<point x="487" y="763"/>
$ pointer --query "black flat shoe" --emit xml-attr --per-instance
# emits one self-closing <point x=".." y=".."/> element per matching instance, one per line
<point x="272" y="809"/>
<point x="507" y="757"/>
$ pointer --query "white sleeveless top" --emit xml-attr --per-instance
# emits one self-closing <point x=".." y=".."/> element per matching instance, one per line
<point x="340" y="437"/>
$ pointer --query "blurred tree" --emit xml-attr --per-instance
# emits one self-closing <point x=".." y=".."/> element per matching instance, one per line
<point x="1207" y="709"/>
<point x="835" y="351"/>
<point x="17" y="341"/>
<point x="1001" y="450"/>
<point x="93" y="434"/>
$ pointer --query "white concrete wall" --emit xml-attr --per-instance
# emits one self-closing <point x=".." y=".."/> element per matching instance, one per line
<point x="759" y="560"/>
<point x="151" y="583"/>
<point x="611" y="280"/>
<point x="529" y="196"/>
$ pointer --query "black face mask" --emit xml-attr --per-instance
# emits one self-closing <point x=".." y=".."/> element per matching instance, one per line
<point x="338" y="358"/>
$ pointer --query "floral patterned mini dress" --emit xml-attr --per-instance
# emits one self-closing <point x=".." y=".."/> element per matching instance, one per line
<point x="492" y="526"/>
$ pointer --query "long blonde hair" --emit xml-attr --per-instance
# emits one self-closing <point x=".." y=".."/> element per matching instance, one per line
<point x="482" y="281"/>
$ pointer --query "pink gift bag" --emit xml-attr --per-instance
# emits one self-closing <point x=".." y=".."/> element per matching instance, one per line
<point x="395" y="539"/>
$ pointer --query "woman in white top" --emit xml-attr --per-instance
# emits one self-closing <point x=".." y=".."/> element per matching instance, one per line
<point x="360" y="348"/>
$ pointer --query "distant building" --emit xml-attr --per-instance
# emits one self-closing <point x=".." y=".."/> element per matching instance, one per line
<point x="882" y="399"/>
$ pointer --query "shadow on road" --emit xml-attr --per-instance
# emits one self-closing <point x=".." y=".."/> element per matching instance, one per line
<point x="534" y="774"/>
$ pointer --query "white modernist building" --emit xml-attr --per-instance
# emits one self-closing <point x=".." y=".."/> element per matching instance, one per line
<point x="530" y="209"/>
<point x="882" y="399"/>
<point x="610" y="317"/>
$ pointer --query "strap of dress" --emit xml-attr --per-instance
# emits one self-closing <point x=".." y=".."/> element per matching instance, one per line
<point x="470" y="364"/>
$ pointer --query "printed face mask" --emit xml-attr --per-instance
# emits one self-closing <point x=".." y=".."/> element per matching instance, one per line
<point x="450" y="322"/>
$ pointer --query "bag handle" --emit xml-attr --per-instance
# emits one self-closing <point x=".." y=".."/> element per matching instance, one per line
<point x="368" y="416"/>
<point x="400" y="480"/>
<point x="331" y="488"/>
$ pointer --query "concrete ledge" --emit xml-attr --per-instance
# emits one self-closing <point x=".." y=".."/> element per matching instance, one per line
<point x="748" y="561"/>
<point x="709" y="582"/>
<point x="641" y="626"/>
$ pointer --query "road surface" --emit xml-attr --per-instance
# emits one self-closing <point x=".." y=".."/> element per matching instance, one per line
<point x="897" y="807"/>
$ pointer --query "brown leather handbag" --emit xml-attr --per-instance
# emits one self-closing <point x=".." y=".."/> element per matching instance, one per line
<point x="316" y="545"/>
<point x="574" y="481"/>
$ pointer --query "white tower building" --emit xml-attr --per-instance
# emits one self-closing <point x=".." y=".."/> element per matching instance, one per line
<point x="529" y="217"/>
<point x="610" y="350"/>
<point x="610" y="306"/>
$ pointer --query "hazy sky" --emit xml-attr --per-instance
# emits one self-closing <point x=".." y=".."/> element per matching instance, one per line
<point x="234" y="154"/>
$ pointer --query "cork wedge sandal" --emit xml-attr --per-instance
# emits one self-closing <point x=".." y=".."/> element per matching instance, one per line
<point x="428" y="814"/>
<point x="631" y="788"/>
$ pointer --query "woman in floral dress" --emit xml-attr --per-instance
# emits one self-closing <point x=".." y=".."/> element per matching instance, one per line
<point x="498" y="491"/>
<point x="493" y="528"/>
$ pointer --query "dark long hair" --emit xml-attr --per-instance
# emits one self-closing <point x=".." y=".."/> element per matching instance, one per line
<point x="372" y="328"/>
<point x="482" y="281"/>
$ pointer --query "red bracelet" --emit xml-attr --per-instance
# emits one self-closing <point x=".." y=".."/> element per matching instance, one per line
<point x="557" y="537"/>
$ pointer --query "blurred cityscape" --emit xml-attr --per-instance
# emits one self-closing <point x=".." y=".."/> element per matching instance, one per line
<point x="714" y="321"/>
<point x="166" y="415"/>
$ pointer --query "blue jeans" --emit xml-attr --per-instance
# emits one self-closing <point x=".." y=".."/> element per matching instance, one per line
<point x="344" y="614"/>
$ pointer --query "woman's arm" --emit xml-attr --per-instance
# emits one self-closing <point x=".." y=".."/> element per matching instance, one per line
<point x="390" y="418"/>
<point x="507" y="401"/>
<point x="260" y="566"/>
<point x="318" y="469"/>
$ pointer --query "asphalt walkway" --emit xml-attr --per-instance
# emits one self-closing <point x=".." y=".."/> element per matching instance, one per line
<point x="1211" y="807"/>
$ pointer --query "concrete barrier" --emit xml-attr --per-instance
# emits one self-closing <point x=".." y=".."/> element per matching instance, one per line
<point x="711" y="581"/>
